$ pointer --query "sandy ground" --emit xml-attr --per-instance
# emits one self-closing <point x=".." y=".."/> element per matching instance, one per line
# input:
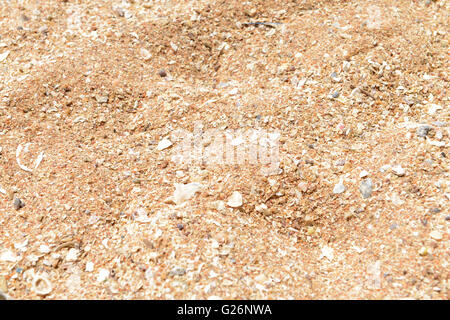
<point x="94" y="96"/>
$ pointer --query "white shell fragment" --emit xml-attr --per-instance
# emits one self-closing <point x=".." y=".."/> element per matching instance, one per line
<point x="184" y="192"/>
<point x="72" y="255"/>
<point x="164" y="144"/>
<point x="432" y="108"/>
<point x="363" y="174"/>
<point x="37" y="162"/>
<point x="141" y="216"/>
<point x="8" y="256"/>
<point x="399" y="171"/>
<point x="145" y="54"/>
<point x="22" y="246"/>
<point x="18" y="151"/>
<point x="103" y="274"/>
<point x="327" y="252"/>
<point x="43" y="248"/>
<point x="235" y="200"/>
<point x="174" y="46"/>
<point x="4" y="55"/>
<point x="89" y="267"/>
<point x="435" y="143"/>
<point x="262" y="208"/>
<point x="436" y="235"/>
<point x="41" y="285"/>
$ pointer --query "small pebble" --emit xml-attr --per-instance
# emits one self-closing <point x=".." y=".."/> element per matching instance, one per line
<point x="311" y="230"/>
<point x="366" y="188"/>
<point x="335" y="95"/>
<point x="120" y="12"/>
<point x="235" y="201"/>
<point x="180" y="226"/>
<point x="423" y="251"/>
<point x="423" y="131"/>
<point x="102" y="99"/>
<point x="447" y="218"/>
<point x="146" y="55"/>
<point x="349" y="215"/>
<point x="162" y="73"/>
<point x="164" y="144"/>
<point x="89" y="267"/>
<point x="44" y="248"/>
<point x="262" y="208"/>
<point x="339" y="188"/>
<point x="18" y="204"/>
<point x="149" y="274"/>
<point x="363" y="174"/>
<point x="436" y="235"/>
<point x="334" y="76"/>
<point x="103" y="274"/>
<point x="409" y="100"/>
<point x="177" y="271"/>
<point x="399" y="171"/>
<point x="233" y="91"/>
<point x="72" y="255"/>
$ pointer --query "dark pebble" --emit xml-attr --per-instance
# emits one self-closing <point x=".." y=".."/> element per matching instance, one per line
<point x="162" y="73"/>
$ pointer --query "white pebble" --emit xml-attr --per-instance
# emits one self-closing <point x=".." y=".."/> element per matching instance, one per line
<point x="235" y="201"/>
<point x="339" y="188"/>
<point x="8" y="256"/>
<point x="261" y="208"/>
<point x="72" y="255"/>
<point x="103" y="274"/>
<point x="89" y="267"/>
<point x="399" y="171"/>
<point x="363" y="174"/>
<point x="44" y="248"/>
